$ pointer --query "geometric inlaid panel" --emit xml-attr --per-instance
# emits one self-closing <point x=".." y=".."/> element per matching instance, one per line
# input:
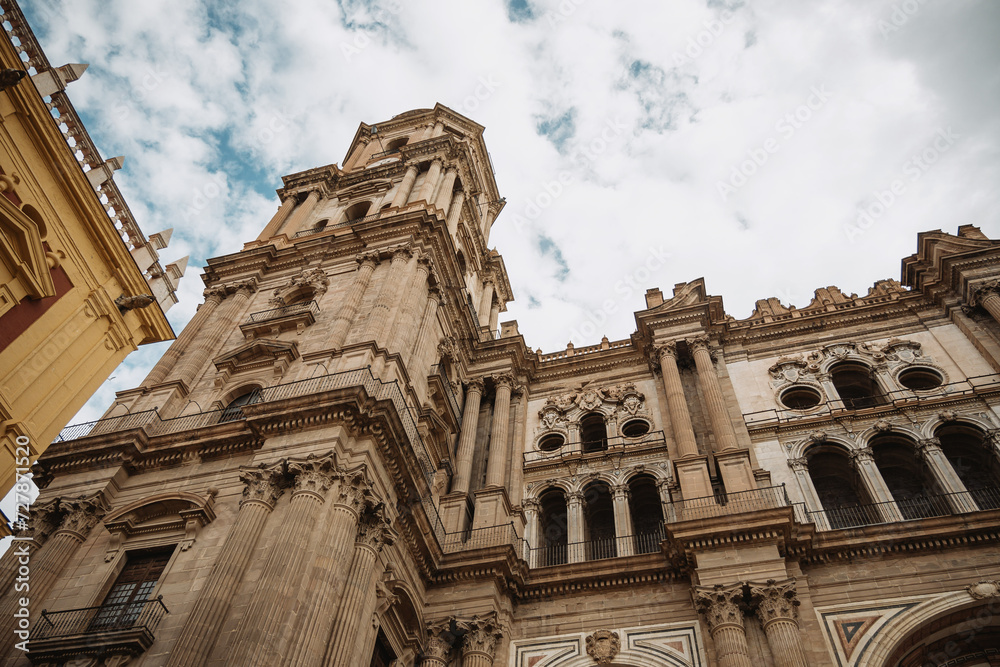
<point x="850" y="630"/>
<point x="673" y="645"/>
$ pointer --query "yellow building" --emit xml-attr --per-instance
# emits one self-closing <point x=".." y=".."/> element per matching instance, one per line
<point x="80" y="285"/>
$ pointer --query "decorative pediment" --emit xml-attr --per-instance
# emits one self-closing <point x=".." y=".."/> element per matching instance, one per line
<point x="365" y="189"/>
<point x="22" y="254"/>
<point x="159" y="514"/>
<point x="254" y="356"/>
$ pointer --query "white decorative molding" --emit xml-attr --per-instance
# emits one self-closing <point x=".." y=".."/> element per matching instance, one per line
<point x="671" y="645"/>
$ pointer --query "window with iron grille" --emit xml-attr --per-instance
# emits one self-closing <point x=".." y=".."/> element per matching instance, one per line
<point x="136" y="581"/>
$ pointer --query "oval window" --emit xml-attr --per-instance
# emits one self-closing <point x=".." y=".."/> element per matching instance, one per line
<point x="635" y="428"/>
<point x="551" y="442"/>
<point x="800" y="398"/>
<point x="920" y="379"/>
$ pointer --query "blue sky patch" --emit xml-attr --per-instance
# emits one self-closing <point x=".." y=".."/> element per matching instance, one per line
<point x="549" y="247"/>
<point x="557" y="129"/>
<point x="519" y="11"/>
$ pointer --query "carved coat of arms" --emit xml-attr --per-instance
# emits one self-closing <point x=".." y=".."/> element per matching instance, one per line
<point x="603" y="646"/>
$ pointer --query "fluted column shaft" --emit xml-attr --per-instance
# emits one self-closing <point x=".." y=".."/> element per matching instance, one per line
<point x="786" y="643"/>
<point x="301" y="214"/>
<point x="990" y="300"/>
<point x="531" y="527"/>
<point x="346" y="646"/>
<point x="265" y="620"/>
<point x="388" y="295"/>
<point x="875" y="487"/>
<point x="624" y="530"/>
<point x="202" y="626"/>
<point x="476" y="659"/>
<point x="405" y="328"/>
<point x="455" y="212"/>
<point x="731" y="646"/>
<point x="680" y="416"/>
<point x="574" y="529"/>
<point x="718" y="415"/>
<point x="467" y="439"/>
<point x="721" y="607"/>
<point x="426" y="321"/>
<point x="330" y="574"/>
<point x="446" y="191"/>
<point x="194" y="329"/>
<point x="486" y="303"/>
<point x="945" y="477"/>
<point x="348" y="310"/>
<point x="405" y="187"/>
<point x="196" y="356"/>
<point x="430" y="182"/>
<point x="777" y="612"/>
<point x="497" y="465"/>
<point x="275" y="224"/>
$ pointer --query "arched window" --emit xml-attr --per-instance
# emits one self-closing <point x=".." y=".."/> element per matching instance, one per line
<point x="907" y="478"/>
<point x="963" y="447"/>
<point x="320" y="225"/>
<point x="647" y="513"/>
<point x="856" y="385"/>
<point x="593" y="433"/>
<point x="599" y="521"/>
<point x="357" y="211"/>
<point x="234" y="410"/>
<point x="838" y="488"/>
<point x="394" y="145"/>
<point x="553" y="524"/>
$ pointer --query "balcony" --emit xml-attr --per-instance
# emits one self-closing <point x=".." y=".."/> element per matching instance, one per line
<point x="115" y="629"/>
<point x="285" y="318"/>
<point x="339" y="225"/>
<point x="596" y="549"/>
<point x="906" y="509"/>
<point x="616" y="446"/>
<point x="727" y="504"/>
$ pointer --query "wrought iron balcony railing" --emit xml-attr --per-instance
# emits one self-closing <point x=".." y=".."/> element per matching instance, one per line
<point x="905" y="509"/>
<point x="725" y="504"/>
<point x="283" y="311"/>
<point x="108" y="618"/>
<point x="326" y="228"/>
<point x="596" y="448"/>
<point x="609" y="546"/>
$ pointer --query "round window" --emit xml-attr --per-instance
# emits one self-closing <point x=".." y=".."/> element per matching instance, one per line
<point x="920" y="379"/>
<point x="635" y="428"/>
<point x="800" y="398"/>
<point x="551" y="442"/>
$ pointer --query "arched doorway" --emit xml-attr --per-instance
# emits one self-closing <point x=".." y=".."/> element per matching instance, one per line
<point x="553" y="528"/>
<point x="907" y="478"/>
<point x="647" y="514"/>
<point x="599" y="521"/>
<point x="838" y="488"/>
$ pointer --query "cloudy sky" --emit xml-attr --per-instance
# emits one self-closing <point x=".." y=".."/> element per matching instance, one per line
<point x="771" y="147"/>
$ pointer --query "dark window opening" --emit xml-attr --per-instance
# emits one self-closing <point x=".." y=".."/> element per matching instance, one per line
<point x="906" y="477"/>
<point x="837" y="484"/>
<point x="856" y="385"/>
<point x="124" y="602"/>
<point x="920" y="379"/>
<point x="554" y="527"/>
<point x="551" y="442"/>
<point x="635" y="428"/>
<point x="321" y="225"/>
<point x="599" y="522"/>
<point x="800" y="398"/>
<point x="382" y="655"/>
<point x="394" y="145"/>
<point x="593" y="433"/>
<point x="964" y="449"/>
<point x="357" y="211"/>
<point x="647" y="514"/>
<point x="234" y="410"/>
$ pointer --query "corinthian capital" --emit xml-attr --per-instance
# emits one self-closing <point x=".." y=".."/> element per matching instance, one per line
<point x="374" y="529"/>
<point x="862" y="455"/>
<point x="215" y="292"/>
<point x="798" y="465"/>
<point x="698" y="343"/>
<point x="369" y="258"/>
<point x="81" y="514"/>
<point x="720" y="605"/>
<point x="668" y="349"/>
<point x="314" y="475"/>
<point x="482" y="636"/>
<point x="775" y="601"/>
<point x="353" y="490"/>
<point x="440" y="641"/>
<point x="503" y="380"/>
<point x="262" y="484"/>
<point x="42" y="521"/>
<point x="985" y="290"/>
<point x="474" y="384"/>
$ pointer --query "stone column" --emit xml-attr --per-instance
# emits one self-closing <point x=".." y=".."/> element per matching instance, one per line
<point x="265" y="620"/>
<point x="351" y="495"/>
<point x="499" y="454"/>
<point x="518" y="408"/>
<point x="576" y="521"/>
<point x="455" y="212"/>
<point x="486" y="302"/>
<point x="47" y="564"/>
<point x="348" y="310"/>
<point x="532" y="508"/>
<point x="438" y="129"/>
<point x="405" y="187"/>
<point x="467" y="439"/>
<point x="446" y="191"/>
<point x="346" y="647"/>
<point x="875" y="487"/>
<point x="573" y="442"/>
<point x="778" y="614"/>
<point x="722" y="608"/>
<point x="301" y="214"/>
<point x="680" y="416"/>
<point x="438" y="645"/>
<point x="624" y="531"/>
<point x="494" y="316"/>
<point x="275" y="224"/>
<point x="945" y="477"/>
<point x="430" y="182"/>
<point x="813" y="504"/>
<point x="209" y="339"/>
<point x="987" y="295"/>
<point x="388" y="294"/>
<point x="261" y="490"/>
<point x="194" y="329"/>
<point x="479" y="645"/>
<point x="722" y="425"/>
<point x="406" y="327"/>
<point x="427" y="321"/>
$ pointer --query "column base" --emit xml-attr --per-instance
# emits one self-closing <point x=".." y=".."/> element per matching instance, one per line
<point x="734" y="467"/>
<point x="493" y="507"/>
<point x="456" y="512"/>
